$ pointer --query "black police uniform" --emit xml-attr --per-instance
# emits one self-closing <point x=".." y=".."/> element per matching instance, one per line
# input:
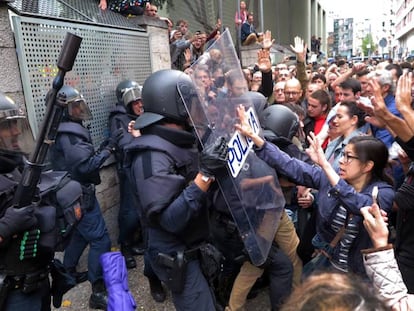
<point x="164" y="162"/>
<point x="128" y="217"/>
<point x="277" y="267"/>
<point x="74" y="152"/>
<point x="27" y="258"/>
<point x="15" y="272"/>
<point x="30" y="235"/>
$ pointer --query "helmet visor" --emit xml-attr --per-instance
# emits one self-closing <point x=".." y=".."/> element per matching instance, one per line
<point x="78" y="109"/>
<point x="15" y="134"/>
<point x="131" y="95"/>
<point x="193" y="108"/>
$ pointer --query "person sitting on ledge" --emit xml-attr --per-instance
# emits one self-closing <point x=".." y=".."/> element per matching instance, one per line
<point x="248" y="33"/>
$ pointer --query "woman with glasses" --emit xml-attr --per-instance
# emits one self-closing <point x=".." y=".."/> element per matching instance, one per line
<point x="345" y="124"/>
<point x="341" y="193"/>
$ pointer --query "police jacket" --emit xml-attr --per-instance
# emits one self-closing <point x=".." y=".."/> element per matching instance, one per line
<point x="163" y="164"/>
<point x="10" y="249"/>
<point x="74" y="152"/>
<point x="330" y="198"/>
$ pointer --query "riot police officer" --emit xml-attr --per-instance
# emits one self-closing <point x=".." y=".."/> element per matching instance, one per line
<point x="74" y="152"/>
<point x="14" y="135"/>
<point x="127" y="109"/>
<point x="172" y="186"/>
<point x="130" y="107"/>
<point x="28" y="235"/>
<point x="257" y="183"/>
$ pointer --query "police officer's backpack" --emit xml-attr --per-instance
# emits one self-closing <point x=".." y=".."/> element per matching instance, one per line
<point x="60" y="209"/>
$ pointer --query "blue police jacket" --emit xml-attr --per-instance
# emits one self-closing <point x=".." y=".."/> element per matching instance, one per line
<point x="162" y="170"/>
<point x="74" y="152"/>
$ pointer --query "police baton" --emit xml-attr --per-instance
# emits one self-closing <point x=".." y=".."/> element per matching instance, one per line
<point x="26" y="190"/>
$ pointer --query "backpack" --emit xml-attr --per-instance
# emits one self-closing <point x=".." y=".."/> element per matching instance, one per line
<point x="58" y="190"/>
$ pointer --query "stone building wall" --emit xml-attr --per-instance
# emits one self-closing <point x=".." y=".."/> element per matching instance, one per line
<point x="11" y="84"/>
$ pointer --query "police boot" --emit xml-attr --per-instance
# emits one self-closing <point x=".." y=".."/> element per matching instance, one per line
<point x="80" y="277"/>
<point x="138" y="249"/>
<point x="129" y="257"/>
<point x="99" y="297"/>
<point x="157" y="291"/>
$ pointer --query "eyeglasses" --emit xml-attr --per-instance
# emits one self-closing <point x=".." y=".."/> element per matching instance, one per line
<point x="291" y="93"/>
<point x="348" y="158"/>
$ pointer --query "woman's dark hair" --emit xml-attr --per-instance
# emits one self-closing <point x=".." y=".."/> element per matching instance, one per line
<point x="353" y="110"/>
<point x="369" y="148"/>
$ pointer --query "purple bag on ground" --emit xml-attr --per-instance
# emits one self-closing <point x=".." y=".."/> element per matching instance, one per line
<point x="116" y="280"/>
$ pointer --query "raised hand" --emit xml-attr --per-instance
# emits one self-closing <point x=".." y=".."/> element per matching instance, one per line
<point x="187" y="55"/>
<point x="403" y="93"/>
<point x="315" y="150"/>
<point x="299" y="49"/>
<point x="103" y="5"/>
<point x="375" y="225"/>
<point x="358" y="67"/>
<point x="380" y="110"/>
<point x="267" y="40"/>
<point x="245" y="129"/>
<point x="263" y="58"/>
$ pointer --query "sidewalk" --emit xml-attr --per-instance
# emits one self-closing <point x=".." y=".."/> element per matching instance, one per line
<point x="78" y="297"/>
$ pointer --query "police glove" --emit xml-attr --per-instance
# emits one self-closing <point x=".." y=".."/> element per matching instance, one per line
<point x="109" y="144"/>
<point x="213" y="158"/>
<point x="16" y="220"/>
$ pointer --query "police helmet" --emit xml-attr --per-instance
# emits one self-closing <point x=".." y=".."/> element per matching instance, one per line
<point x="127" y="92"/>
<point x="280" y="121"/>
<point x="15" y="134"/>
<point x="163" y="95"/>
<point x="76" y="107"/>
<point x="258" y="100"/>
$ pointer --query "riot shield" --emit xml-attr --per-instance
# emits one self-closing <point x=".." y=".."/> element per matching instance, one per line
<point x="249" y="188"/>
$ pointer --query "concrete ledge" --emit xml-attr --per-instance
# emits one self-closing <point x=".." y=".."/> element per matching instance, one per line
<point x="144" y="21"/>
<point x="248" y="54"/>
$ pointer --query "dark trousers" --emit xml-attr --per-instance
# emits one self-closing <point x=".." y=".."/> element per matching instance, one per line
<point x="196" y="294"/>
<point x="128" y="217"/>
<point x="39" y="300"/>
<point x="407" y="272"/>
<point x="90" y="230"/>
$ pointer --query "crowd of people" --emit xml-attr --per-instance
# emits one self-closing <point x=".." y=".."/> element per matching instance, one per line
<point x="334" y="150"/>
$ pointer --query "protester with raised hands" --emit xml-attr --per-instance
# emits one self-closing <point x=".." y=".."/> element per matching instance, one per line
<point x="403" y="130"/>
<point x="380" y="116"/>
<point x="361" y="168"/>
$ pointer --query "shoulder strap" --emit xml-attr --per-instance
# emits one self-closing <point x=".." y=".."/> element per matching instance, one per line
<point x="340" y="233"/>
<point x="76" y="129"/>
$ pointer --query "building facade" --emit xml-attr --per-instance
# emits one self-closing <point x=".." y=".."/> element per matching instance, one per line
<point x="285" y="18"/>
<point x="343" y="35"/>
<point x="404" y="29"/>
